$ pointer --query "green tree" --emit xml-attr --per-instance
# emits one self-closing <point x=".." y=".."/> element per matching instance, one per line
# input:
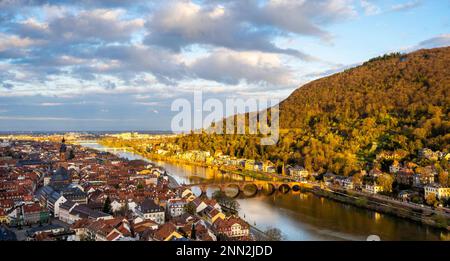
<point x="190" y="208"/>
<point x="274" y="234"/>
<point x="123" y="211"/>
<point x="225" y="201"/>
<point x="107" y="206"/>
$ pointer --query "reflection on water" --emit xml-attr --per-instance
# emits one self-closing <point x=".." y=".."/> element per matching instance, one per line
<point x="304" y="216"/>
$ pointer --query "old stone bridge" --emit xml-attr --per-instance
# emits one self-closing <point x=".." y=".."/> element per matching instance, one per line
<point x="249" y="188"/>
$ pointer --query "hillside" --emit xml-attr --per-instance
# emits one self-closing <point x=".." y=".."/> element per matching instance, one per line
<point x="394" y="83"/>
<point x="394" y="103"/>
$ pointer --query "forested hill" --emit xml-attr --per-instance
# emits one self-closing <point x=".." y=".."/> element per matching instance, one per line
<point x="394" y="103"/>
<point x="404" y="85"/>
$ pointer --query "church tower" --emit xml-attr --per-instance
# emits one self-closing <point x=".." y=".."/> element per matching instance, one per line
<point x="63" y="150"/>
<point x="61" y="178"/>
<point x="63" y="157"/>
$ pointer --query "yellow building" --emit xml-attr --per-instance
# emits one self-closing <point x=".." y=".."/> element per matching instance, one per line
<point x="373" y="189"/>
<point x="447" y="156"/>
<point x="167" y="232"/>
<point x="210" y="160"/>
<point x="439" y="191"/>
<point x="249" y="164"/>
<point x="173" y="235"/>
<point x="215" y="214"/>
<point x="188" y="195"/>
<point x="3" y="217"/>
<point x="144" y="172"/>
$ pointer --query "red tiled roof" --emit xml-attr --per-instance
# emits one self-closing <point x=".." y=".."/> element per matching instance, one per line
<point x="144" y="225"/>
<point x="82" y="223"/>
<point x="113" y="236"/>
<point x="223" y="224"/>
<point x="164" y="231"/>
<point x="32" y="208"/>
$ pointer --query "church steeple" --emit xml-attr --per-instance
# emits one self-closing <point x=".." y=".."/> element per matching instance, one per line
<point x="63" y="150"/>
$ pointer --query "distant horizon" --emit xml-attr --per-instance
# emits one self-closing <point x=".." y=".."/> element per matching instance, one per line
<point x="87" y="131"/>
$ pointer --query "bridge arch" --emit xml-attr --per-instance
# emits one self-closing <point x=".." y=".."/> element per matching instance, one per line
<point x="232" y="190"/>
<point x="210" y="189"/>
<point x="267" y="188"/>
<point x="198" y="190"/>
<point x="296" y="187"/>
<point x="284" y="188"/>
<point x="249" y="189"/>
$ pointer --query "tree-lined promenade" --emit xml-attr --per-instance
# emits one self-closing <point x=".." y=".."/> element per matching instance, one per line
<point x="141" y="147"/>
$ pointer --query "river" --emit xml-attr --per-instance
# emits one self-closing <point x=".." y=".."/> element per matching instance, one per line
<point x="304" y="216"/>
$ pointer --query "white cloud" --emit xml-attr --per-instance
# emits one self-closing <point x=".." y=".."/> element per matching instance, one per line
<point x="244" y="25"/>
<point x="405" y="6"/>
<point x="83" y="26"/>
<point x="442" y="40"/>
<point x="147" y="103"/>
<point x="142" y="97"/>
<point x="13" y="41"/>
<point x="230" y="67"/>
<point x="369" y="7"/>
<point x="50" y="104"/>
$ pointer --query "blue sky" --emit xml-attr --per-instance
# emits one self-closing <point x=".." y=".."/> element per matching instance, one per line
<point x="118" y="65"/>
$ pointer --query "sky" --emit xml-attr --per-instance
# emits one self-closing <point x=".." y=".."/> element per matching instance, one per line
<point x="118" y="65"/>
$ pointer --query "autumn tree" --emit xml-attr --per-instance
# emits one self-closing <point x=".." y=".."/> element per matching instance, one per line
<point x="431" y="199"/>
<point x="385" y="181"/>
<point x="443" y="178"/>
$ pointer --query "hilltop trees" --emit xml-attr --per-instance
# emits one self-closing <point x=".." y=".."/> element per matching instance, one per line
<point x="340" y="123"/>
<point x="396" y="104"/>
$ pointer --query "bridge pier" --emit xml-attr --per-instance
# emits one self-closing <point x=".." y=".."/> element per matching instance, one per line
<point x="250" y="188"/>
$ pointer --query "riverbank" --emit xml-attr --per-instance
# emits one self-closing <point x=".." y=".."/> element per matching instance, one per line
<point x="375" y="204"/>
<point x="244" y="173"/>
<point x="289" y="214"/>
<point x="424" y="217"/>
<point x="257" y="233"/>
